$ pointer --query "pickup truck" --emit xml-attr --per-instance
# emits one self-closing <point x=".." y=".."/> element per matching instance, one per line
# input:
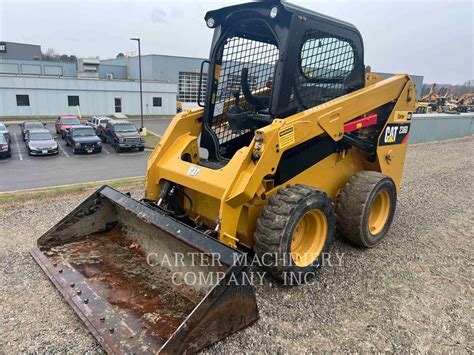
<point x="83" y="139"/>
<point x="123" y="135"/>
<point x="98" y="122"/>
<point x="64" y="122"/>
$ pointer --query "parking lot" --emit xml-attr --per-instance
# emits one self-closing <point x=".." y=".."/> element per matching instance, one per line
<point x="22" y="171"/>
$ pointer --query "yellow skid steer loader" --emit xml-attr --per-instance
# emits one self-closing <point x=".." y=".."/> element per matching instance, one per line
<point x="293" y="139"/>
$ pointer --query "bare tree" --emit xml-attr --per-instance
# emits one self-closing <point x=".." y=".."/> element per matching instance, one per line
<point x="52" y="56"/>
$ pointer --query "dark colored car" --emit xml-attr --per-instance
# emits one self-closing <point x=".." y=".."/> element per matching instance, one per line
<point x="5" y="148"/>
<point x="83" y="139"/>
<point x="64" y="122"/>
<point x="30" y="125"/>
<point x="4" y="131"/>
<point x="123" y="135"/>
<point x="41" y="142"/>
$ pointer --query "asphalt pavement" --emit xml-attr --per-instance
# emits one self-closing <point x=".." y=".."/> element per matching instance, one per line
<point x="22" y="171"/>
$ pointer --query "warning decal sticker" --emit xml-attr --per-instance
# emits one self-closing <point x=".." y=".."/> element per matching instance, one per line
<point x="286" y="136"/>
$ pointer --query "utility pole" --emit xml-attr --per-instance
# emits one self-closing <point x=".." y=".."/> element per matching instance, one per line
<point x="140" y="76"/>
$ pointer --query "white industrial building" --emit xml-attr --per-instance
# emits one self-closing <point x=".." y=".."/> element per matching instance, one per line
<point x="52" y="96"/>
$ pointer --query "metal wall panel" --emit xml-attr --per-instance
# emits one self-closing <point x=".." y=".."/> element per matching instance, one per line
<point x="118" y="71"/>
<point x="30" y="69"/>
<point x="48" y="96"/>
<point x="9" y="68"/>
<point x="438" y="127"/>
<point x="21" y="51"/>
<point x="417" y="81"/>
<point x="68" y="69"/>
<point x="163" y="67"/>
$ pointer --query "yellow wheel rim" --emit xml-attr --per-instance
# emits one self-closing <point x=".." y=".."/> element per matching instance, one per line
<point x="308" y="238"/>
<point x="379" y="212"/>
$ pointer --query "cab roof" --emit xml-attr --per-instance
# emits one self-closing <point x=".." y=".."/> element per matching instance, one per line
<point x="222" y="13"/>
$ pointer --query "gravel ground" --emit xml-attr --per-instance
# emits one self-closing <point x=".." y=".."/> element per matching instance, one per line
<point x="411" y="293"/>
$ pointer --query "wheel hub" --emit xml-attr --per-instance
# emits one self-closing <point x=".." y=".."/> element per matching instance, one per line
<point x="308" y="238"/>
<point x="379" y="212"/>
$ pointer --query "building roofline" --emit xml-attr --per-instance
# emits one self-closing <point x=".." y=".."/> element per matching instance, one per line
<point x="25" y="44"/>
<point x="87" y="79"/>
<point x="160" y="55"/>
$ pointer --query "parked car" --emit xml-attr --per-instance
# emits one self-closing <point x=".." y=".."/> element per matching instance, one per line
<point x="98" y="122"/>
<point x="41" y="142"/>
<point x="4" y="132"/>
<point x="83" y="139"/>
<point x="30" y="125"/>
<point x="123" y="135"/>
<point x="5" y="147"/>
<point x="64" y="122"/>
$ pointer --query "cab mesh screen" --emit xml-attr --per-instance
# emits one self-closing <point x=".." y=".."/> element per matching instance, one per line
<point x="325" y="64"/>
<point x="239" y="53"/>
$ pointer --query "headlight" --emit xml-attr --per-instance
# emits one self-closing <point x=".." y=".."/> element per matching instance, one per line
<point x="210" y="22"/>
<point x="274" y="12"/>
<point x="99" y="143"/>
<point x="77" y="145"/>
<point x="142" y="139"/>
<point x="121" y="140"/>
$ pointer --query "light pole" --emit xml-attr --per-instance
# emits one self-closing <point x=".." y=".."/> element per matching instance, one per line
<point x="140" y="75"/>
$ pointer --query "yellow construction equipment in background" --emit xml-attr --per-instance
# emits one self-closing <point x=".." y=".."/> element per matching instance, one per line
<point x="293" y="141"/>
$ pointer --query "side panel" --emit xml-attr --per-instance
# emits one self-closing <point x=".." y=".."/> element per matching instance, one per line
<point x="392" y="141"/>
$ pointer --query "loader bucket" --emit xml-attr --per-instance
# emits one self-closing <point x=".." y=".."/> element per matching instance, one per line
<point x="143" y="282"/>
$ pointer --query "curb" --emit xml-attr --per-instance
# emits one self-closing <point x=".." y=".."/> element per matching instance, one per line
<point x="69" y="185"/>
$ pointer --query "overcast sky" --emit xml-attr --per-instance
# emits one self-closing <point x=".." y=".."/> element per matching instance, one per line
<point x="432" y="38"/>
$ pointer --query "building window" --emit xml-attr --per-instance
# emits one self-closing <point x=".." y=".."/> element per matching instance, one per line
<point x="157" y="102"/>
<point x="22" y="100"/>
<point x="73" y="100"/>
<point x="188" y="86"/>
<point x="118" y="105"/>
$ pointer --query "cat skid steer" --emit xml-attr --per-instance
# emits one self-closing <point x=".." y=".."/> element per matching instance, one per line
<point x="293" y="139"/>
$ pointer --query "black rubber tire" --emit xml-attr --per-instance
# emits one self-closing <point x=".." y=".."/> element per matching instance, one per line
<point x="141" y="149"/>
<point x="354" y="203"/>
<point x="277" y="223"/>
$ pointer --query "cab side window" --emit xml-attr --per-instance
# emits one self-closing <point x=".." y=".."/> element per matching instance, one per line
<point x="325" y="64"/>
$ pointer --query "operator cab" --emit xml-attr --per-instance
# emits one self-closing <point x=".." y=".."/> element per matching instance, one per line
<point x="268" y="60"/>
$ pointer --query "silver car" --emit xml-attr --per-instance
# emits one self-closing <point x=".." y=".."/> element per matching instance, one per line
<point x="41" y="142"/>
